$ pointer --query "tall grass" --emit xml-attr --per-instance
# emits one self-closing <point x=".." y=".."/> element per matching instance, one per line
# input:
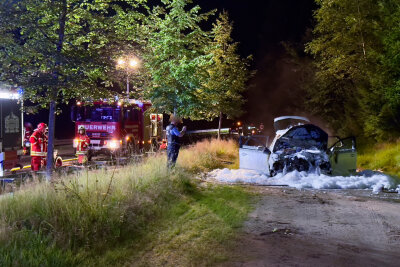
<point x="95" y="210"/>
<point x="210" y="154"/>
<point x="383" y="157"/>
<point x="143" y="213"/>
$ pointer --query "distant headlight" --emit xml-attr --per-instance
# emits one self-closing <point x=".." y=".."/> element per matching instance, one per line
<point x="113" y="144"/>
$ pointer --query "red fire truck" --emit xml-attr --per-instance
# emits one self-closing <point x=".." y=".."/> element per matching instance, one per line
<point x="124" y="127"/>
<point x="10" y="128"/>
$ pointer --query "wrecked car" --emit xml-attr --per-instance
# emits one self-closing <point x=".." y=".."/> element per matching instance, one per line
<point x="300" y="146"/>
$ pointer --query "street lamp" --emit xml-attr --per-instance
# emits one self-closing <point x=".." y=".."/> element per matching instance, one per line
<point x="129" y="64"/>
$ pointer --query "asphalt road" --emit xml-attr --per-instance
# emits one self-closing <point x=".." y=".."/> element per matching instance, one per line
<point x="291" y="227"/>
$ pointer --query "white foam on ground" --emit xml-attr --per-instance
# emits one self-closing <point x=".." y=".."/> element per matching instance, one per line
<point x="305" y="180"/>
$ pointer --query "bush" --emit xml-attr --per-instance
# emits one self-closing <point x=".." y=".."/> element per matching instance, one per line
<point x="106" y="216"/>
<point x="209" y="154"/>
<point x="93" y="211"/>
<point x="383" y="157"/>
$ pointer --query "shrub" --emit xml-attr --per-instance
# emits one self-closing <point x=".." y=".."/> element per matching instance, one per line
<point x="209" y="154"/>
<point x="93" y="211"/>
<point x="383" y="157"/>
<point x="99" y="216"/>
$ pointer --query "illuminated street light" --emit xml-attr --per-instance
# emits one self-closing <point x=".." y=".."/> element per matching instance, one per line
<point x="133" y="63"/>
<point x="120" y="62"/>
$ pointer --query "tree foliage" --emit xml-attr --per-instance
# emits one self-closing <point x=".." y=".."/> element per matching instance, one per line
<point x="175" y="57"/>
<point x="65" y="49"/>
<point x="58" y="50"/>
<point x="351" y="88"/>
<point x="228" y="73"/>
<point x="193" y="72"/>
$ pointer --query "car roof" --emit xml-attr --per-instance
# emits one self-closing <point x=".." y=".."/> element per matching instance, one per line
<point x="291" y="117"/>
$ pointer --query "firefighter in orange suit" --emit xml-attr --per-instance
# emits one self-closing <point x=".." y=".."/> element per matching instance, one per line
<point x="38" y="142"/>
<point x="82" y="145"/>
<point x="28" y="132"/>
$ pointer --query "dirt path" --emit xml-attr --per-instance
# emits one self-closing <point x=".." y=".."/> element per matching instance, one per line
<point x="315" y="228"/>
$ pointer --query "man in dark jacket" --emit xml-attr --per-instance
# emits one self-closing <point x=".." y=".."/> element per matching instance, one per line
<point x="174" y="142"/>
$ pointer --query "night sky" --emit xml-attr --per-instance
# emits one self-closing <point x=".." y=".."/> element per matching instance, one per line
<point x="259" y="27"/>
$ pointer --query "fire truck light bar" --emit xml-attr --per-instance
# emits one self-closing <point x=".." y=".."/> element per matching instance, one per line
<point x="8" y="95"/>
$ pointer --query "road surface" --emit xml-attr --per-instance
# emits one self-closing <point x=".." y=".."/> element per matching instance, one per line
<point x="64" y="148"/>
<point x="291" y="227"/>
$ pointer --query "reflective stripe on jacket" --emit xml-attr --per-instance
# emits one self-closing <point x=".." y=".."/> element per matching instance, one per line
<point x="38" y="154"/>
<point x="83" y="144"/>
<point x="38" y="142"/>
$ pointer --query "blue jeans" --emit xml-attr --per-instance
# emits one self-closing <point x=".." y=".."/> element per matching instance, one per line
<point x="172" y="154"/>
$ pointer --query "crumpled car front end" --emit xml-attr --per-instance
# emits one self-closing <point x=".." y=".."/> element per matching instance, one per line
<point x="301" y="148"/>
<point x="309" y="160"/>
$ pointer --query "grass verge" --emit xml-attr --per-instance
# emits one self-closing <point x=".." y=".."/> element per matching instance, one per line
<point x="140" y="215"/>
<point x="210" y="154"/>
<point x="195" y="231"/>
<point x="383" y="157"/>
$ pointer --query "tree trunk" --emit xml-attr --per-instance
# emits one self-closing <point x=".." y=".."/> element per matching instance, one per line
<point x="52" y="108"/>
<point x="361" y="32"/>
<point x="50" y="147"/>
<point x="219" y="125"/>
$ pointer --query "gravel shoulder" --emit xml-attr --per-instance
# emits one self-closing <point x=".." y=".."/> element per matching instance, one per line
<point x="291" y="227"/>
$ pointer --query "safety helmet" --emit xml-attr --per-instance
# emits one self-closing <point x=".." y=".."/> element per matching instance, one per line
<point x="81" y="127"/>
<point x="28" y="125"/>
<point x="42" y="126"/>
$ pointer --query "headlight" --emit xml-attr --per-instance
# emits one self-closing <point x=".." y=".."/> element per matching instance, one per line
<point x="113" y="144"/>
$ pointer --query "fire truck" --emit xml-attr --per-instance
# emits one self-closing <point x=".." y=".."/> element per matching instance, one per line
<point x="11" y="123"/>
<point x="123" y="127"/>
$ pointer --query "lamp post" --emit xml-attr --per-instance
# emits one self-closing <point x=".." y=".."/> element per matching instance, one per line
<point x="129" y="64"/>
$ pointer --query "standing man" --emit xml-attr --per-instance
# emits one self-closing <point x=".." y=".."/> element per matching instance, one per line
<point x="38" y="142"/>
<point x="174" y="142"/>
<point x="82" y="146"/>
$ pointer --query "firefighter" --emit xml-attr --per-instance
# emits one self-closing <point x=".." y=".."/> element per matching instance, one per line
<point x="82" y="147"/>
<point x="38" y="142"/>
<point x="28" y="132"/>
<point x="174" y="142"/>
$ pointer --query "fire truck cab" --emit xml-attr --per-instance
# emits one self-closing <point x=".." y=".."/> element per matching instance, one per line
<point x="11" y="123"/>
<point x="126" y="127"/>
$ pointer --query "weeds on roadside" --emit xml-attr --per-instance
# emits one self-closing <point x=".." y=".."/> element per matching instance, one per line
<point x="92" y="211"/>
<point x="383" y="157"/>
<point x="103" y="217"/>
<point x="209" y="154"/>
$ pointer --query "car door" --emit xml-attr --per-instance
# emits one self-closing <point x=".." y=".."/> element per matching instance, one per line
<point x="253" y="154"/>
<point x="343" y="157"/>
